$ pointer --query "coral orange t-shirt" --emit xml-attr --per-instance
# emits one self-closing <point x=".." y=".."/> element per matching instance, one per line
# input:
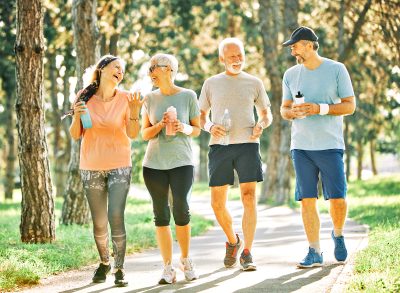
<point x="106" y="145"/>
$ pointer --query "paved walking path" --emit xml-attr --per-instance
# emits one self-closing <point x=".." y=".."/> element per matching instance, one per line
<point x="279" y="244"/>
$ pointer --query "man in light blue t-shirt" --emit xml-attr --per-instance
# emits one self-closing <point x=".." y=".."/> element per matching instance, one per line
<point x="317" y="93"/>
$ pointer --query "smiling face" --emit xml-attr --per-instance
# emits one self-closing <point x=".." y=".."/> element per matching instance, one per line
<point x="113" y="72"/>
<point x="301" y="50"/>
<point x="159" y="73"/>
<point x="233" y="59"/>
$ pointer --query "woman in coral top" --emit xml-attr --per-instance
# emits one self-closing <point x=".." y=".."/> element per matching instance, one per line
<point x="105" y="158"/>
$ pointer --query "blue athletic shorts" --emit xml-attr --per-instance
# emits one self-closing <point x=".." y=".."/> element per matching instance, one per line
<point x="244" y="158"/>
<point x="328" y="164"/>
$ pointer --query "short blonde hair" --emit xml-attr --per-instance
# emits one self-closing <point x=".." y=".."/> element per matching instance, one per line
<point x="166" y="59"/>
<point x="229" y="41"/>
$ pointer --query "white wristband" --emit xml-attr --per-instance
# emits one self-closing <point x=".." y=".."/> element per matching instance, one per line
<point x="323" y="109"/>
<point x="187" y="129"/>
<point x="208" y="125"/>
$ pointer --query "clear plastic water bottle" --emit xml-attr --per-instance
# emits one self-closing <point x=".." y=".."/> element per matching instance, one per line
<point x="86" y="120"/>
<point x="226" y="123"/>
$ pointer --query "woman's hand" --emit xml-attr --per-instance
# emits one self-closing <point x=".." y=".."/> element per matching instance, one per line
<point x="79" y="109"/>
<point x="178" y="126"/>
<point x="135" y="104"/>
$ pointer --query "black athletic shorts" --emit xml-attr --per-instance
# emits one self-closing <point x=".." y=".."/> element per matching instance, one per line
<point x="244" y="158"/>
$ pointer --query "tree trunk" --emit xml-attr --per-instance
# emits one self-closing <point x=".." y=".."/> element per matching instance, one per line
<point x="7" y="75"/>
<point x="37" y="208"/>
<point x="341" y="44"/>
<point x="64" y="154"/>
<point x="360" y="153"/>
<point x="372" y="154"/>
<point x="75" y="207"/>
<point x="347" y="151"/>
<point x="56" y="124"/>
<point x="9" y="89"/>
<point x="277" y="179"/>
<point x="115" y="36"/>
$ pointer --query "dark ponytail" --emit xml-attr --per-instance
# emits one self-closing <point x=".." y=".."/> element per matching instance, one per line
<point x="91" y="89"/>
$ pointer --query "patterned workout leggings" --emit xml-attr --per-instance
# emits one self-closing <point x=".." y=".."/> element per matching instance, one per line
<point x="108" y="187"/>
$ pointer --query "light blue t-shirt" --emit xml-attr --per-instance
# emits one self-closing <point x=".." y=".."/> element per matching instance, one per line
<point x="326" y="84"/>
<point x="167" y="152"/>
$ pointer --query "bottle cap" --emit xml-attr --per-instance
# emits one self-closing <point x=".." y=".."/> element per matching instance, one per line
<point x="171" y="109"/>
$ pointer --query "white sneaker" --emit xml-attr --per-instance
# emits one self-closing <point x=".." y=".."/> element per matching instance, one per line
<point x="168" y="276"/>
<point x="187" y="267"/>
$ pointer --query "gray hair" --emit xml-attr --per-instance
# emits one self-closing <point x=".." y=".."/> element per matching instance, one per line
<point x="229" y="41"/>
<point x="315" y="44"/>
<point x="166" y="59"/>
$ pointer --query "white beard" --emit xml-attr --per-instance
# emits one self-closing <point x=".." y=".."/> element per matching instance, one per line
<point x="233" y="70"/>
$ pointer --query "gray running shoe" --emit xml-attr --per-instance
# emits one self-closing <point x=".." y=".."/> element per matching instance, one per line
<point x="232" y="252"/>
<point x="168" y="276"/>
<point x="187" y="267"/>
<point x="246" y="261"/>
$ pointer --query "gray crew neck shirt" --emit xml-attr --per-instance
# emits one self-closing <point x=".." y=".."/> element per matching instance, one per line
<point x="326" y="84"/>
<point x="167" y="152"/>
<point x="239" y="94"/>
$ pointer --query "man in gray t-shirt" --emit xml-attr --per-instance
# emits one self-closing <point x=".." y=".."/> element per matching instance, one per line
<point x="317" y="93"/>
<point x="236" y="93"/>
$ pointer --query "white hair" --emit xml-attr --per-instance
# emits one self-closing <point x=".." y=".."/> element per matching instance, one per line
<point x="229" y="41"/>
<point x="166" y="59"/>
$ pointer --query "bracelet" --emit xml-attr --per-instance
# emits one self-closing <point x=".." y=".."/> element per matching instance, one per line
<point x="323" y="109"/>
<point x="134" y="119"/>
<point x="187" y="129"/>
<point x="208" y="125"/>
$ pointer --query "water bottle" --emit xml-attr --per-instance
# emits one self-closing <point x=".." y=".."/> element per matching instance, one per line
<point x="299" y="99"/>
<point x="226" y="123"/>
<point x="172" y="115"/>
<point x="86" y="120"/>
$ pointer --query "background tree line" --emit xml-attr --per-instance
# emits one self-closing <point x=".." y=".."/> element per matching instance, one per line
<point x="363" y="34"/>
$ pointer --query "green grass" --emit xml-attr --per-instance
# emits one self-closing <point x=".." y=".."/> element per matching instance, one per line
<point x="376" y="202"/>
<point x="24" y="264"/>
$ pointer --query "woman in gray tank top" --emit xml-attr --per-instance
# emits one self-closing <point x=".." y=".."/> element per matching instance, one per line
<point x="170" y="117"/>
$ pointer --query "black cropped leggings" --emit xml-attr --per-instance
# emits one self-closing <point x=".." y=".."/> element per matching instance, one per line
<point x="106" y="192"/>
<point x="158" y="182"/>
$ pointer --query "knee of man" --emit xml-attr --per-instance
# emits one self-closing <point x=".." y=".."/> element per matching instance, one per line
<point x="217" y="205"/>
<point x="248" y="198"/>
<point x="308" y="203"/>
<point x="338" y="202"/>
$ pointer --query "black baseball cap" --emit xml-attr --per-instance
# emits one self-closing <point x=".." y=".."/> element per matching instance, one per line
<point x="301" y="33"/>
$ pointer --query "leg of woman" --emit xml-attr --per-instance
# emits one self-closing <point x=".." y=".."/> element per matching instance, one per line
<point x="94" y="183"/>
<point x="157" y="183"/>
<point x="118" y="187"/>
<point x="181" y="180"/>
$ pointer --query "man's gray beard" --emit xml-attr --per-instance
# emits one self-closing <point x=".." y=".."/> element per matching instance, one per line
<point x="233" y="70"/>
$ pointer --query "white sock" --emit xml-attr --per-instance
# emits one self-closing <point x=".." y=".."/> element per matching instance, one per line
<point x="338" y="232"/>
<point x="316" y="246"/>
